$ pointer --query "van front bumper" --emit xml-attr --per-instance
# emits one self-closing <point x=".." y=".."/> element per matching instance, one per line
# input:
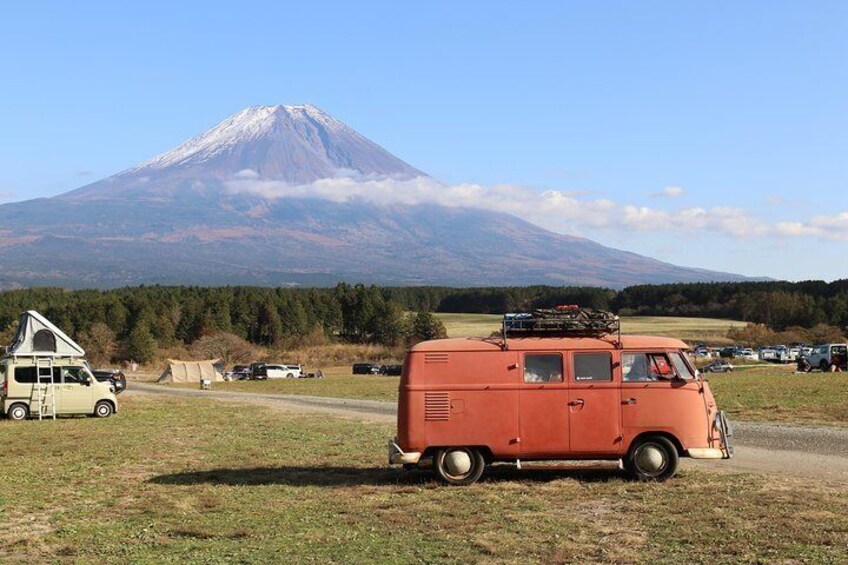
<point x="397" y="456"/>
<point x="722" y="427"/>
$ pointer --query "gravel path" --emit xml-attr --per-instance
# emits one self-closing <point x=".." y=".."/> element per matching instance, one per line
<point x="800" y="451"/>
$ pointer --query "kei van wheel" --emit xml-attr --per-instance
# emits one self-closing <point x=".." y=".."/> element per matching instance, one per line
<point x="103" y="409"/>
<point x="459" y="465"/>
<point x="652" y="459"/>
<point x="18" y="412"/>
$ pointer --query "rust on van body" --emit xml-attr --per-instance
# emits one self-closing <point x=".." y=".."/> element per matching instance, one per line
<point x="554" y="398"/>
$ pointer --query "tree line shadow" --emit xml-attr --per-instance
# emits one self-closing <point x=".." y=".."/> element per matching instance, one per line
<point x="341" y="476"/>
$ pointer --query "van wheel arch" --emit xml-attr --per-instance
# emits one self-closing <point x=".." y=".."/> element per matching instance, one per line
<point x="14" y="411"/>
<point x="484" y="450"/>
<point x="670" y="437"/>
<point x="112" y="409"/>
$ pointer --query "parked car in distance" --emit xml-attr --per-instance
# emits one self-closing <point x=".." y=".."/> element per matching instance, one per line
<point x="115" y="377"/>
<point x="718" y="366"/>
<point x="746" y="353"/>
<point x="391" y="370"/>
<point x="238" y="373"/>
<point x="365" y="369"/>
<point x="283" y="371"/>
<point x="829" y="354"/>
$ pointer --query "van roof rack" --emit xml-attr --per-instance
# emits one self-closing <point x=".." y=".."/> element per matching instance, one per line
<point x="561" y="321"/>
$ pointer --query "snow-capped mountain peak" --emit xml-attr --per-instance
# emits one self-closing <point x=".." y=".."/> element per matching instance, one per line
<point x="293" y="144"/>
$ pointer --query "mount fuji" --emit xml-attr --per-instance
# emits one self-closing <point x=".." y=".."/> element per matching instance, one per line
<point x="182" y="218"/>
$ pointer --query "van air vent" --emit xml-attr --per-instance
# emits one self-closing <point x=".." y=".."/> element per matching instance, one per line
<point x="435" y="357"/>
<point x="436" y="406"/>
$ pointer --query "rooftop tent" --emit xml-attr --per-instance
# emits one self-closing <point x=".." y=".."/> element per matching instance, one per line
<point x="37" y="336"/>
<point x="191" y="371"/>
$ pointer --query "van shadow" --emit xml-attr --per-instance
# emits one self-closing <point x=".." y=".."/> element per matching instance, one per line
<point x="336" y="476"/>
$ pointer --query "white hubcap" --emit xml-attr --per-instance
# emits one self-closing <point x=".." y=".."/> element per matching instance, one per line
<point x="458" y="463"/>
<point x="650" y="459"/>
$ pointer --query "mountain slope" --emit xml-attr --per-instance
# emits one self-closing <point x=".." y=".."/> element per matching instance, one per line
<point x="175" y="220"/>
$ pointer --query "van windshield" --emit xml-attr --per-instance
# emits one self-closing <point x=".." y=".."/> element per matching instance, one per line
<point x="682" y="367"/>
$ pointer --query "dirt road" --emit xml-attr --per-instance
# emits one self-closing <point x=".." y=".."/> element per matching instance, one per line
<point x="797" y="451"/>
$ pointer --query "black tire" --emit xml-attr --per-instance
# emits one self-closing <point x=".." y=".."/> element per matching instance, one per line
<point x="103" y="409"/>
<point x="824" y="366"/>
<point x="18" y="412"/>
<point x="653" y="458"/>
<point x="289" y="375"/>
<point x="471" y="465"/>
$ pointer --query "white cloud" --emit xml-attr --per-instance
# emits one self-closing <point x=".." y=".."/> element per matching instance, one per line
<point x="558" y="210"/>
<point x="833" y="227"/>
<point x="246" y="174"/>
<point x="670" y="192"/>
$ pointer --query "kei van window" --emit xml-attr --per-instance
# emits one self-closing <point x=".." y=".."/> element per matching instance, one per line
<point x="592" y="367"/>
<point x="543" y="368"/>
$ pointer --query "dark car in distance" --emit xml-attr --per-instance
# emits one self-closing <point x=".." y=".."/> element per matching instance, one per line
<point x="365" y="369"/>
<point x="115" y="377"/>
<point x="391" y="370"/>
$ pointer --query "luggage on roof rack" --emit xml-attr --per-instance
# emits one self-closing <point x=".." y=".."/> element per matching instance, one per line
<point x="562" y="320"/>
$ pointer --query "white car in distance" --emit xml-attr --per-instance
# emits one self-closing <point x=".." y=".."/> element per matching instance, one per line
<point x="283" y="371"/>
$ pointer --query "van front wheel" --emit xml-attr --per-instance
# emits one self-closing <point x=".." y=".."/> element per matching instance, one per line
<point x="103" y="409"/>
<point x="652" y="459"/>
<point x="18" y="412"/>
<point x="459" y="465"/>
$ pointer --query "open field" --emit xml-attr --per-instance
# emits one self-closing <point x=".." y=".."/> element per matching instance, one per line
<point x="764" y="393"/>
<point x="774" y="394"/>
<point x="197" y="481"/>
<point x="338" y="383"/>
<point x="692" y="329"/>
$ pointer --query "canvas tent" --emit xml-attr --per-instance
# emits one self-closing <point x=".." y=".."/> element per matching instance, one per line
<point x="37" y="336"/>
<point x="191" y="371"/>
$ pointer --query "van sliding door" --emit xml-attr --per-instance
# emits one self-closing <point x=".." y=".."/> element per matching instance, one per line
<point x="594" y="405"/>
<point x="543" y="406"/>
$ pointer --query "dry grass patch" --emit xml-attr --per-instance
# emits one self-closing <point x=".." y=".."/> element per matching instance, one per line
<point x="195" y="481"/>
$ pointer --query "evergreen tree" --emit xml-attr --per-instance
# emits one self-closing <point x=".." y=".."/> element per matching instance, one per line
<point x="141" y="346"/>
<point x="426" y="326"/>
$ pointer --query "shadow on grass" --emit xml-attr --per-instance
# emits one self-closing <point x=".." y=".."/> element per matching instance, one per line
<point x="334" y="476"/>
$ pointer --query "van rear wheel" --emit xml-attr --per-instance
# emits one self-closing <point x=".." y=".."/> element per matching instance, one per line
<point x="18" y="412"/>
<point x="652" y="459"/>
<point x="103" y="409"/>
<point x="459" y="465"/>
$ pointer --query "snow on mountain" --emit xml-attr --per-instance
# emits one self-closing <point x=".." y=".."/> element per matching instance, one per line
<point x="292" y="144"/>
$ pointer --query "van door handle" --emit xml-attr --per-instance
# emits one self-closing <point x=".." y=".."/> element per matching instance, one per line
<point x="578" y="402"/>
<point x="629" y="401"/>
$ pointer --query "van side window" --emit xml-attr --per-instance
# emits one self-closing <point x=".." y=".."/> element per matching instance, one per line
<point x="543" y="368"/>
<point x="73" y="374"/>
<point x="25" y="375"/>
<point x="595" y="367"/>
<point x="637" y="367"/>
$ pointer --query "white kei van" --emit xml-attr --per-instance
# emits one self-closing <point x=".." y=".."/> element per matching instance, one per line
<point x="44" y="375"/>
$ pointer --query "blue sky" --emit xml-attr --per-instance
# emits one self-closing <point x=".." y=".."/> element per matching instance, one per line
<point x="701" y="133"/>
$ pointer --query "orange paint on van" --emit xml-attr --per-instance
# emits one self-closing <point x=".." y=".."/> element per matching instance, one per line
<point x="472" y="393"/>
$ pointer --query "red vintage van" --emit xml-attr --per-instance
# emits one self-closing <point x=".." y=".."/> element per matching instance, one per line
<point x="554" y="395"/>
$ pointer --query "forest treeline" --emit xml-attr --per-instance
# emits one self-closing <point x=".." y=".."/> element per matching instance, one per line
<point x="139" y="319"/>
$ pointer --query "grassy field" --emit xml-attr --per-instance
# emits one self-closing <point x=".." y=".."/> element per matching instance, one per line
<point x="692" y="329"/>
<point x="178" y="481"/>
<point x="338" y="382"/>
<point x="778" y="395"/>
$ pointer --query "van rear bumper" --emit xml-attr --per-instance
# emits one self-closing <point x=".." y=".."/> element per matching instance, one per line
<point x="397" y="456"/>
